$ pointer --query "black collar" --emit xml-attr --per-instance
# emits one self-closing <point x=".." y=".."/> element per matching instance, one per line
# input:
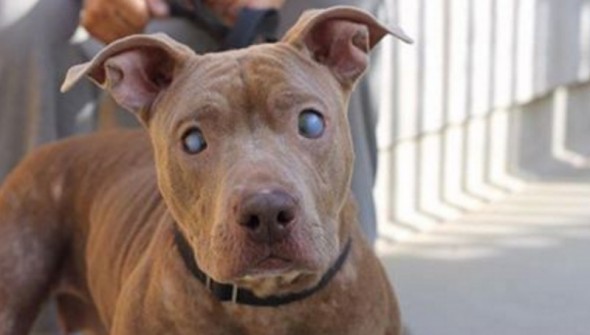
<point x="227" y="292"/>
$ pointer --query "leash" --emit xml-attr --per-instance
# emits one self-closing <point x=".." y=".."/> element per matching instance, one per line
<point x="228" y="292"/>
<point x="251" y="25"/>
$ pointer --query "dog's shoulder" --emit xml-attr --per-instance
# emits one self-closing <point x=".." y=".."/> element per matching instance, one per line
<point x="115" y="141"/>
<point x="105" y="152"/>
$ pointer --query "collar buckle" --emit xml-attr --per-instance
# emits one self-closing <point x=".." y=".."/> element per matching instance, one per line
<point x="234" y="294"/>
<point x="208" y="282"/>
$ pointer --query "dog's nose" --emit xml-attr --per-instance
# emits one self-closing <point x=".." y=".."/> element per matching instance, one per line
<point x="268" y="216"/>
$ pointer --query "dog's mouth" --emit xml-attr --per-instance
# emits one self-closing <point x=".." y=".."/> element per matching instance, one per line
<point x="260" y="261"/>
<point x="275" y="275"/>
<point x="270" y="266"/>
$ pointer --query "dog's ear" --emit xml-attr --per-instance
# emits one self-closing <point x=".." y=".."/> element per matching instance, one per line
<point x="134" y="70"/>
<point x="340" y="38"/>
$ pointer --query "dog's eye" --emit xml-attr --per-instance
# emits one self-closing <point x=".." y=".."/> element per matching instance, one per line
<point x="311" y="123"/>
<point x="193" y="141"/>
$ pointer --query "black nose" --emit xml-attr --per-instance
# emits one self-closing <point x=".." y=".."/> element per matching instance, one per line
<point x="267" y="216"/>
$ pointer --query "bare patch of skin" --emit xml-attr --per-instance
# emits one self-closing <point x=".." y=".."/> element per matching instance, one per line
<point x="22" y="255"/>
<point x="57" y="189"/>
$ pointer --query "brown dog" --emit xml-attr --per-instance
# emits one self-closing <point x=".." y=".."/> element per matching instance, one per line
<point x="231" y="215"/>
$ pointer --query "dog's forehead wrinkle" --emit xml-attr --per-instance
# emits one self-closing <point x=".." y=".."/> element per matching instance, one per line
<point x="215" y="66"/>
<point x="211" y="73"/>
<point x="211" y="98"/>
<point x="206" y="105"/>
<point x="255" y="87"/>
<point x="264" y="71"/>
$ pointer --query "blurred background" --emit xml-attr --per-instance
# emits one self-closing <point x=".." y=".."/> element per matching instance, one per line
<point x="482" y="190"/>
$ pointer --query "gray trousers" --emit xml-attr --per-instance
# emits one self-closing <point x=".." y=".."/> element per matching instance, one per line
<point x="36" y="50"/>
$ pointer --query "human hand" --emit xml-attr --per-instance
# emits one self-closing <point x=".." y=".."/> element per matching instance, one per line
<point x="108" y="20"/>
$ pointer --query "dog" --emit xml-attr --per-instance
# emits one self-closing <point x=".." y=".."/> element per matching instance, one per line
<point x="231" y="213"/>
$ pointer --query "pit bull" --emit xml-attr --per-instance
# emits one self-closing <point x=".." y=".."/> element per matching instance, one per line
<point x="230" y="213"/>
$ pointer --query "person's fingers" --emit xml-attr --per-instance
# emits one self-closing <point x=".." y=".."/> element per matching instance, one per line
<point x="134" y="12"/>
<point x="158" y="8"/>
<point x="108" y="20"/>
<point x="264" y="3"/>
<point x="107" y="31"/>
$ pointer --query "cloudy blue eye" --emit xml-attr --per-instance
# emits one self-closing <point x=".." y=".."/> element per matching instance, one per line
<point x="193" y="141"/>
<point x="311" y="123"/>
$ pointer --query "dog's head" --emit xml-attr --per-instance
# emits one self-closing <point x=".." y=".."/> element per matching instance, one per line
<point x="252" y="147"/>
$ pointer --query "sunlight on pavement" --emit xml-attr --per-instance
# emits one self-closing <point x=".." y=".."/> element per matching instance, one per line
<point x="519" y="266"/>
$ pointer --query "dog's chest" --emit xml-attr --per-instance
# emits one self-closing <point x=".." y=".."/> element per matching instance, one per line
<point x="323" y="318"/>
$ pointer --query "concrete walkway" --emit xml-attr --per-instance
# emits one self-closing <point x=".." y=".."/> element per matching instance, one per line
<point x="519" y="267"/>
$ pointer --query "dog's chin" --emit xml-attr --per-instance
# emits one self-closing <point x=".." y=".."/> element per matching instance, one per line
<point x="291" y="265"/>
<point x="266" y="273"/>
<point x="270" y="266"/>
<point x="277" y="280"/>
<point x="275" y="275"/>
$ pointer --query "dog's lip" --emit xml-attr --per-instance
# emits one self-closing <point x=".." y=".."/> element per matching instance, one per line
<point x="271" y="264"/>
<point x="273" y="259"/>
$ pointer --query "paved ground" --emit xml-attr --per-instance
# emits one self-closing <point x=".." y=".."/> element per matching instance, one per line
<point x="520" y="267"/>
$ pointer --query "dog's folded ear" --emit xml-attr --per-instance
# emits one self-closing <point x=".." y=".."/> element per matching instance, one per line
<point x="134" y="70"/>
<point x="340" y="37"/>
